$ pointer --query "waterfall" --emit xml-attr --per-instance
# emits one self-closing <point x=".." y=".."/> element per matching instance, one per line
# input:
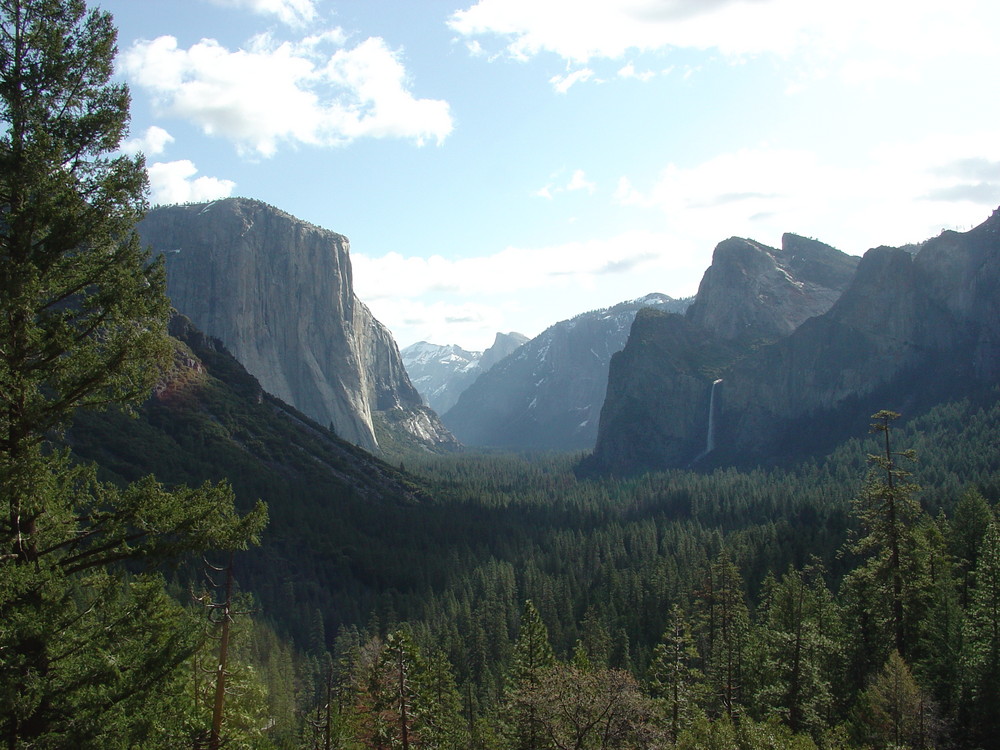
<point x="710" y="438"/>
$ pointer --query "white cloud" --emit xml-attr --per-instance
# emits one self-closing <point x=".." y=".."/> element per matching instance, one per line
<point x="291" y="12"/>
<point x="562" y="84"/>
<point x="894" y="195"/>
<point x="151" y="143"/>
<point x="274" y="93"/>
<point x="578" y="181"/>
<point x="175" y="182"/>
<point x="889" y="35"/>
<point x="629" y="71"/>
<point x="421" y="298"/>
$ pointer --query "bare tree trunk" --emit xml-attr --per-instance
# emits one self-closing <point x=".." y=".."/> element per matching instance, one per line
<point x="220" y="675"/>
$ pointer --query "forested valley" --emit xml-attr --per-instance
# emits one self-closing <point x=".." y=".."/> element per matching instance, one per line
<point x="830" y="604"/>
<point x="205" y="567"/>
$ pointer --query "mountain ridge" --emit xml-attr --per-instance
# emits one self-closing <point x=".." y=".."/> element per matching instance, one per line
<point x="907" y="329"/>
<point x="547" y="395"/>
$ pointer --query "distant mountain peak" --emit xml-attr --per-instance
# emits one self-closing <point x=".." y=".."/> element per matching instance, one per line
<point x="906" y="330"/>
<point x="441" y="372"/>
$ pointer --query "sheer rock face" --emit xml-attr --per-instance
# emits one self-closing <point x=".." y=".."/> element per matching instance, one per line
<point x="910" y="328"/>
<point x="752" y="292"/>
<point x="659" y="388"/>
<point x="278" y="292"/>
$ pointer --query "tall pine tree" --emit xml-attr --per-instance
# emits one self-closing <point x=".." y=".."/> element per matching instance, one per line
<point x="82" y="324"/>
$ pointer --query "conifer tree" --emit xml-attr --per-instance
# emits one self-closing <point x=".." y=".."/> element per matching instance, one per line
<point x="896" y="711"/>
<point x="982" y="641"/>
<point x="437" y="708"/>
<point x="722" y="629"/>
<point x="82" y="324"/>
<point x="533" y="656"/>
<point x="889" y="513"/>
<point x="673" y="678"/>
<point x="797" y="639"/>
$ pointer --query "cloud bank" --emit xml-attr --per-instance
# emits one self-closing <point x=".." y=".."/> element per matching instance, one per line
<point x="272" y="94"/>
<point x="860" y="39"/>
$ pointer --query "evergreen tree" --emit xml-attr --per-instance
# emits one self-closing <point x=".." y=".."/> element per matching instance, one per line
<point x="533" y="657"/>
<point x="982" y="642"/>
<point x="722" y="629"/>
<point x="896" y="712"/>
<point x="889" y="513"/>
<point x="82" y="324"/>
<point x="965" y="535"/>
<point x="437" y="708"/>
<point x="797" y="643"/>
<point x="673" y="679"/>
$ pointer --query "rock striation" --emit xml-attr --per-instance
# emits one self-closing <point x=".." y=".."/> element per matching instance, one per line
<point x="279" y="293"/>
<point x="548" y="393"/>
<point x="913" y="326"/>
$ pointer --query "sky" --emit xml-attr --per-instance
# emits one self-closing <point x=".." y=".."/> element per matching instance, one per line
<point x="501" y="165"/>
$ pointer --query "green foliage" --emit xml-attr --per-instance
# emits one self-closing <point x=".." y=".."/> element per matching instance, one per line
<point x="722" y="629"/>
<point x="85" y="650"/>
<point x="894" y="711"/>
<point x="889" y="513"/>
<point x="797" y="658"/>
<point x="981" y="660"/>
<point x="673" y="679"/>
<point x="586" y="708"/>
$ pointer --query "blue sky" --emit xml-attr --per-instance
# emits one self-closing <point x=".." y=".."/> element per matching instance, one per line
<point x="500" y="165"/>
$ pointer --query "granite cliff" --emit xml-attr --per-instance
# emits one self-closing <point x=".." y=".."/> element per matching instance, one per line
<point x="911" y="327"/>
<point x="754" y="293"/>
<point x="279" y="293"/>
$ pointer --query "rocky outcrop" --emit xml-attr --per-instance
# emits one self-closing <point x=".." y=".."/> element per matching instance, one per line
<point x="504" y="344"/>
<point x="279" y="293"/>
<point x="548" y="394"/>
<point x="754" y="293"/>
<point x="914" y="326"/>
<point x="442" y="372"/>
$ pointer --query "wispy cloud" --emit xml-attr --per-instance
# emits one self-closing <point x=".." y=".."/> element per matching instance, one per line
<point x="578" y="181"/>
<point x="272" y="93"/>
<point x="629" y="71"/>
<point x="866" y="40"/>
<point x="417" y="296"/>
<point x="893" y="195"/>
<point x="295" y="13"/>
<point x="563" y="83"/>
